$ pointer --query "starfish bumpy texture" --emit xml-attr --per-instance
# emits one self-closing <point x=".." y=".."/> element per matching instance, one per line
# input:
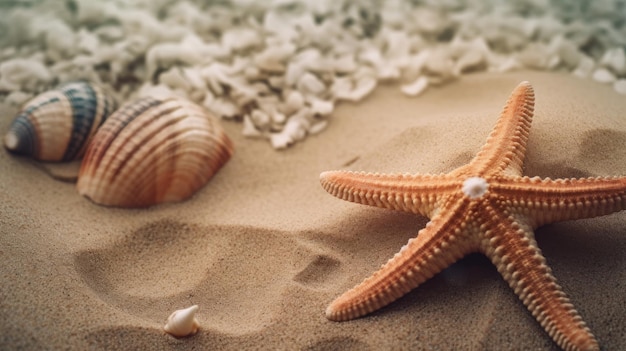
<point x="486" y="206"/>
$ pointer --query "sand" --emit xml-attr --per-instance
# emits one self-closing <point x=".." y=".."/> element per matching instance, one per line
<point x="263" y="249"/>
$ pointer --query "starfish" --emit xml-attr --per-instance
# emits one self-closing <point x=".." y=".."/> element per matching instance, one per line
<point x="485" y="206"/>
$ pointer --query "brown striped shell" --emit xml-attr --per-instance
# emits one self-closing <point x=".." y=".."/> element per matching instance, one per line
<point x="57" y="125"/>
<point x="153" y="151"/>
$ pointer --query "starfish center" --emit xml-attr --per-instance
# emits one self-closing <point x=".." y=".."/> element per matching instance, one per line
<point x="475" y="187"/>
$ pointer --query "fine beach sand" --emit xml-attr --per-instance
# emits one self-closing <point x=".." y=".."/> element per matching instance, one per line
<point x="263" y="249"/>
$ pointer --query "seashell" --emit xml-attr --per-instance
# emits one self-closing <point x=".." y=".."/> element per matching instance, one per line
<point x="182" y="322"/>
<point x="57" y="125"/>
<point x="153" y="151"/>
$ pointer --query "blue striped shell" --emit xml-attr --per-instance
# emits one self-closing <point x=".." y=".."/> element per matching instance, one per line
<point x="57" y="125"/>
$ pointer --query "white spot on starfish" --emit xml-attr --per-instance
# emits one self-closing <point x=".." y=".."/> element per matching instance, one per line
<point x="475" y="187"/>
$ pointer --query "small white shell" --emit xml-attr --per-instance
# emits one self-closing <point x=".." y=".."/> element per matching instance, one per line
<point x="183" y="322"/>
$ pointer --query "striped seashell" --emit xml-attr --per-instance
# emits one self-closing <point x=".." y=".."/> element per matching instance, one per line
<point x="57" y="125"/>
<point x="153" y="151"/>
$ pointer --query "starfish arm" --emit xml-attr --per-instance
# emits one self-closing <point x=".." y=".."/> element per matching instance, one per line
<point x="548" y="201"/>
<point x="436" y="247"/>
<point x="505" y="148"/>
<point x="417" y="194"/>
<point x="514" y="252"/>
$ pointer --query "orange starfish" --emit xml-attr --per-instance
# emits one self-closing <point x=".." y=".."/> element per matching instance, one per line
<point x="485" y="206"/>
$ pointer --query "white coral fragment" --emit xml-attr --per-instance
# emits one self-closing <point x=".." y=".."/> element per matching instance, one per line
<point x="240" y="39"/>
<point x="415" y="88"/>
<point x="275" y="57"/>
<point x="168" y="54"/>
<point x="603" y="75"/>
<point x="17" y="98"/>
<point x="309" y="83"/>
<point x="620" y="86"/>
<point x="345" y="63"/>
<point x="439" y="63"/>
<point x="294" y="101"/>
<point x="355" y="89"/>
<point x="364" y="86"/>
<point x="321" y="107"/>
<point x="318" y="127"/>
<point x="280" y="140"/>
<point x="158" y="91"/>
<point x="585" y="67"/>
<point x="220" y="106"/>
<point x="615" y="60"/>
<point x="249" y="128"/>
<point x="23" y="74"/>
